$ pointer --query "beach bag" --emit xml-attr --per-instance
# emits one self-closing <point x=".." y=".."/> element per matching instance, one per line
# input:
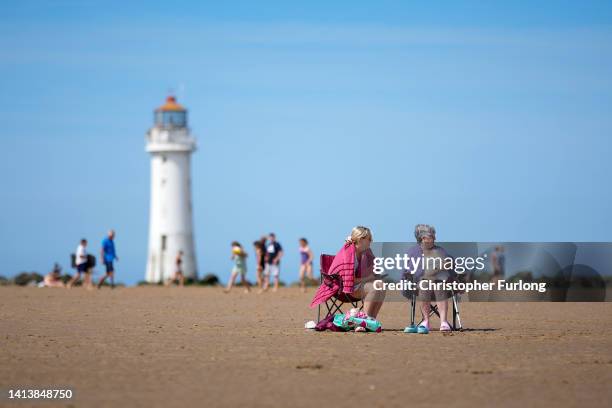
<point x="328" y="324"/>
<point x="348" y="322"/>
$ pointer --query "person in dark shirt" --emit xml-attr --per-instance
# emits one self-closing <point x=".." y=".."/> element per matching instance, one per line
<point x="274" y="253"/>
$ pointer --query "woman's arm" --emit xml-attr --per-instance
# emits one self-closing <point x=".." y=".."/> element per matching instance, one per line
<point x="278" y="257"/>
<point x="368" y="263"/>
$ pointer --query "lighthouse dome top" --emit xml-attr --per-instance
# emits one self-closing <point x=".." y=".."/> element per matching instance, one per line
<point x="170" y="105"/>
<point x="171" y="114"/>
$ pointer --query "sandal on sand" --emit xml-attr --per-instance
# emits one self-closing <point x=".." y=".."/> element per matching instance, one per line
<point x="410" y="329"/>
<point x="423" y="329"/>
<point x="360" y="329"/>
<point x="445" y="327"/>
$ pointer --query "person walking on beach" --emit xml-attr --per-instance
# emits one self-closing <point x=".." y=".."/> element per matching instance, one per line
<point x="498" y="263"/>
<point x="80" y="261"/>
<point x="109" y="256"/>
<point x="260" y="258"/>
<point x="274" y="253"/>
<point x="239" y="256"/>
<point x="306" y="258"/>
<point x="178" y="271"/>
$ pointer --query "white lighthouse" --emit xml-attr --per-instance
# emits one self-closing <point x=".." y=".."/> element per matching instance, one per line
<point x="170" y="144"/>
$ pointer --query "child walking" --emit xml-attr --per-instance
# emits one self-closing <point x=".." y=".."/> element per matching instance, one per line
<point x="239" y="257"/>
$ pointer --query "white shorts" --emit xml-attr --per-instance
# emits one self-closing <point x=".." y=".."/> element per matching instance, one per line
<point x="272" y="270"/>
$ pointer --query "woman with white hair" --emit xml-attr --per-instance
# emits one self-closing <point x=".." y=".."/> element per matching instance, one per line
<point x="432" y="270"/>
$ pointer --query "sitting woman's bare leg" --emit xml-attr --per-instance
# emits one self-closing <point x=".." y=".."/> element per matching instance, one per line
<point x="425" y="311"/>
<point x="442" y="309"/>
<point x="302" y="274"/>
<point x="373" y="299"/>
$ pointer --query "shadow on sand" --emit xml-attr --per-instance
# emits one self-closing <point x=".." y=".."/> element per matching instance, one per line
<point x="474" y="330"/>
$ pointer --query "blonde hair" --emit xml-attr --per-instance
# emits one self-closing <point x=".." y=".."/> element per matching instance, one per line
<point x="358" y="233"/>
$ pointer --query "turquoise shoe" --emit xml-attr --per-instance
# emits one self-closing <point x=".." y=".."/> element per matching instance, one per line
<point x="410" y="329"/>
<point x="422" y="330"/>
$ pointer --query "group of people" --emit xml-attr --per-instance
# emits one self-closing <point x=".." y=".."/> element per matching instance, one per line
<point x="353" y="264"/>
<point x="268" y="253"/>
<point x="84" y="263"/>
<point x="351" y="275"/>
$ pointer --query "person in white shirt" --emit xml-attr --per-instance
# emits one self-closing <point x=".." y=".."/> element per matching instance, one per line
<point x="82" y="264"/>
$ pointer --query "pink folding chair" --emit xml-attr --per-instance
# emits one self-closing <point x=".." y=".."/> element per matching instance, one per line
<point x="339" y="299"/>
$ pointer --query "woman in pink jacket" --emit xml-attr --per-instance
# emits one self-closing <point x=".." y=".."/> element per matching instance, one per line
<point x="354" y="264"/>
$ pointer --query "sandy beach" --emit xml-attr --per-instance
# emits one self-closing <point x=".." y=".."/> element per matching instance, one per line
<point x="152" y="346"/>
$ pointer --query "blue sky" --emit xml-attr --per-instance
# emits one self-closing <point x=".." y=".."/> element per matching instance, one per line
<point x="489" y="120"/>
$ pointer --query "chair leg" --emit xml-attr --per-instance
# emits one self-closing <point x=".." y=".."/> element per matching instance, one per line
<point x="433" y="310"/>
<point x="457" y="326"/>
<point x="412" y="308"/>
<point x="456" y="316"/>
<point x="330" y="309"/>
<point x="336" y="308"/>
<point x="319" y="307"/>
